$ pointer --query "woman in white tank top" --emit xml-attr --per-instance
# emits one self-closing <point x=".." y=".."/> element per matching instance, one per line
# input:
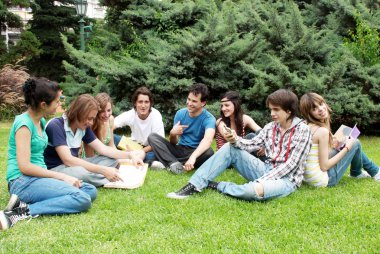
<point x="326" y="165"/>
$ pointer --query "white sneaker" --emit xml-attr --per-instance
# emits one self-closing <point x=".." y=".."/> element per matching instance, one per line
<point x="377" y="176"/>
<point x="363" y="174"/>
<point x="157" y="165"/>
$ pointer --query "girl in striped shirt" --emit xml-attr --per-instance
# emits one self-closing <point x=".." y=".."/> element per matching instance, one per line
<point x="325" y="164"/>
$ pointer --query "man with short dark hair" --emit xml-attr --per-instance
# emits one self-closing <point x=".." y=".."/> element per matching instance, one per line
<point x="287" y="142"/>
<point x="190" y="138"/>
<point x="143" y="120"/>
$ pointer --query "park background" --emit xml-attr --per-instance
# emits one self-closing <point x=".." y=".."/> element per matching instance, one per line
<point x="254" y="47"/>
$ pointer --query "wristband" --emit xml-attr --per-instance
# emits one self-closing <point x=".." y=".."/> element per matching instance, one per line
<point x="348" y="149"/>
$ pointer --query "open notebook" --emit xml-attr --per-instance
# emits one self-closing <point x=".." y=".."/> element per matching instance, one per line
<point x="133" y="177"/>
<point x="345" y="132"/>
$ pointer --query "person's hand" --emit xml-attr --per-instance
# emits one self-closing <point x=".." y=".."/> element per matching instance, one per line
<point x="71" y="180"/>
<point x="231" y="136"/>
<point x="178" y="129"/>
<point x="189" y="165"/>
<point x="261" y="151"/>
<point x="350" y="142"/>
<point x="112" y="174"/>
<point x="335" y="143"/>
<point x="136" y="160"/>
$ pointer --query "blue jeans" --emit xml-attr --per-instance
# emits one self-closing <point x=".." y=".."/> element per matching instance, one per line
<point x="358" y="160"/>
<point x="249" y="166"/>
<point x="52" y="196"/>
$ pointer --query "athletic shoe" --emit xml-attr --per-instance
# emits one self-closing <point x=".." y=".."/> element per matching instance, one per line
<point x="14" y="202"/>
<point x="176" y="168"/>
<point x="212" y="185"/>
<point x="363" y="174"/>
<point x="183" y="193"/>
<point x="156" y="165"/>
<point x="10" y="218"/>
<point x="377" y="176"/>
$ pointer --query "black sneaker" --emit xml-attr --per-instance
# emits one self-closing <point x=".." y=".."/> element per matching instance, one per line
<point x="213" y="185"/>
<point x="10" y="218"/>
<point x="183" y="193"/>
<point x="14" y="202"/>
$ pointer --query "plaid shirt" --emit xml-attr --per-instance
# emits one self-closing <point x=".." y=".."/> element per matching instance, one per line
<point x="287" y="154"/>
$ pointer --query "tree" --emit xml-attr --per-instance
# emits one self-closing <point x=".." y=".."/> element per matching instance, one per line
<point x="50" y="18"/>
<point x="252" y="46"/>
<point x="8" y="20"/>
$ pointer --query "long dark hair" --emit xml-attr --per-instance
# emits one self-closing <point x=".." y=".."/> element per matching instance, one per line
<point x="233" y="97"/>
<point x="37" y="90"/>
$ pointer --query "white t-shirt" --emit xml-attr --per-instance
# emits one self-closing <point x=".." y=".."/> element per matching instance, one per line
<point x="141" y="129"/>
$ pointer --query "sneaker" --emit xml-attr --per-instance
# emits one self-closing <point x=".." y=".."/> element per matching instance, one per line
<point x="213" y="185"/>
<point x="14" y="202"/>
<point x="156" y="165"/>
<point x="10" y="218"/>
<point x="176" y="168"/>
<point x="183" y="193"/>
<point x="363" y="174"/>
<point x="377" y="176"/>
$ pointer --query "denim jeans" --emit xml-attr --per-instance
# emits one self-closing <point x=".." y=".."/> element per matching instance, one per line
<point x="83" y="174"/>
<point x="52" y="196"/>
<point x="358" y="160"/>
<point x="249" y="166"/>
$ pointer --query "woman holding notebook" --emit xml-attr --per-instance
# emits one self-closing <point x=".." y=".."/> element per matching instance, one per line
<point x="327" y="162"/>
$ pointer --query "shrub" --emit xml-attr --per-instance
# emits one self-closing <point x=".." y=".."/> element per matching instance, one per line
<point x="12" y="77"/>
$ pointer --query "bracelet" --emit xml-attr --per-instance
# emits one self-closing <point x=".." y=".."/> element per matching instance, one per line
<point x="348" y="149"/>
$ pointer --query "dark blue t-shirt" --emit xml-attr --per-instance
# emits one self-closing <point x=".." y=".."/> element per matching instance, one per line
<point x="60" y="134"/>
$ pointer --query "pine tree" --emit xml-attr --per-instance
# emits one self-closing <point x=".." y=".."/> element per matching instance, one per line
<point x="252" y="46"/>
<point x="50" y="18"/>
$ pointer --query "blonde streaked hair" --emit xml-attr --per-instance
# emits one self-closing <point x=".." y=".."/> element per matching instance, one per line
<point x="81" y="107"/>
<point x="308" y="102"/>
<point x="103" y="99"/>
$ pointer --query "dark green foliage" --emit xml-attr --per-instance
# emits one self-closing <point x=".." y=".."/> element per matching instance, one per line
<point x="255" y="47"/>
<point x="27" y="47"/>
<point x="49" y="20"/>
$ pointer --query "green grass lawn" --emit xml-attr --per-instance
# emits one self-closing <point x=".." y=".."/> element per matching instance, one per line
<point x="344" y="219"/>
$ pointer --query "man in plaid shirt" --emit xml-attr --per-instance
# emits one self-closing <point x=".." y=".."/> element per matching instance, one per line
<point x="287" y="141"/>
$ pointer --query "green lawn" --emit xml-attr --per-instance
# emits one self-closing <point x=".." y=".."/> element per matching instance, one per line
<point x="344" y="219"/>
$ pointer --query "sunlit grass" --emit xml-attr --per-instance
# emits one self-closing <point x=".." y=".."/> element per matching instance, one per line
<point x="344" y="219"/>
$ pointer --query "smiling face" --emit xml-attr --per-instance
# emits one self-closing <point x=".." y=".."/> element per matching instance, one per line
<point x="194" y="104"/>
<point x="227" y="107"/>
<point x="52" y="107"/>
<point x="278" y="114"/>
<point x="87" y="121"/>
<point x="105" y="114"/>
<point x="320" y="111"/>
<point x="142" y="106"/>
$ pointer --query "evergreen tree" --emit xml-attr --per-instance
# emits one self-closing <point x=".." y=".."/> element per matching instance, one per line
<point x="252" y="46"/>
<point x="50" y="18"/>
<point x="8" y="20"/>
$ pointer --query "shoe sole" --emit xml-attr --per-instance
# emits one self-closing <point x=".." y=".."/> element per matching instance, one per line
<point x="4" y="224"/>
<point x="12" y="202"/>
<point x="175" y="196"/>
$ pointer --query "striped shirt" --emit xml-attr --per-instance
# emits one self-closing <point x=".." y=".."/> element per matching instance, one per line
<point x="313" y="174"/>
<point x="220" y="141"/>
<point x="287" y="153"/>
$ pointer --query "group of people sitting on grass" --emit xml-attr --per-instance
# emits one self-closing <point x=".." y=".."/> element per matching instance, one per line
<point x="55" y="167"/>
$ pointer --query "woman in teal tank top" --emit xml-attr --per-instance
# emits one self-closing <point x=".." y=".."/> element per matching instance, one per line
<point x="34" y="189"/>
